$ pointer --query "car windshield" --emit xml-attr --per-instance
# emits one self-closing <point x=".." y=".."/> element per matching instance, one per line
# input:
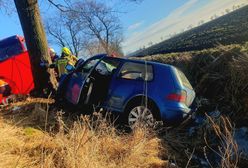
<point x="88" y="65"/>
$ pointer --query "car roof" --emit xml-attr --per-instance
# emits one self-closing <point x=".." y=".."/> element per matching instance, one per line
<point x="133" y="60"/>
<point x="10" y="40"/>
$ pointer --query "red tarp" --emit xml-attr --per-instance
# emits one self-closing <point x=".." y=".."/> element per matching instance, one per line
<point x="16" y="71"/>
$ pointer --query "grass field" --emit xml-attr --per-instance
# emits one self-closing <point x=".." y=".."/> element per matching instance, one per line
<point x="228" y="29"/>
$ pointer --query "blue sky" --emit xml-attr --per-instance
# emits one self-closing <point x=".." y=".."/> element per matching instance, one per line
<point x="145" y="22"/>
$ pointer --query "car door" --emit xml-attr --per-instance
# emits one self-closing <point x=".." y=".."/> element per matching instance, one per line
<point x="79" y="79"/>
<point x="128" y="82"/>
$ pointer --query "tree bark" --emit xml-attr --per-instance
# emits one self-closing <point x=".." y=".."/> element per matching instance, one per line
<point x="29" y="15"/>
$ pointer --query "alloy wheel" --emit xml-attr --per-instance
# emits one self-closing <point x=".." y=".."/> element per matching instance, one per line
<point x="140" y="114"/>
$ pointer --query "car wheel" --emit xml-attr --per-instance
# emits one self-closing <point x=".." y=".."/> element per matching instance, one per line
<point x="140" y="114"/>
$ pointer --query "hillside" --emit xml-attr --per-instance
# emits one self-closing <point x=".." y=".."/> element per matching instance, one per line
<point x="229" y="29"/>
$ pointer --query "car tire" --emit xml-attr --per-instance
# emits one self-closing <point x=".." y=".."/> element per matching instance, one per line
<point x="138" y="113"/>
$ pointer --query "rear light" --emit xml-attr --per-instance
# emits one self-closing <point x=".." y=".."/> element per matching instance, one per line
<point x="178" y="96"/>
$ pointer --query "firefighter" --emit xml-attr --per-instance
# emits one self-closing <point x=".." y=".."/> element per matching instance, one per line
<point x="54" y="58"/>
<point x="53" y="55"/>
<point x="66" y="62"/>
<point x="66" y="53"/>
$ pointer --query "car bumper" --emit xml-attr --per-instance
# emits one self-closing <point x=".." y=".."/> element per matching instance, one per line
<point x="175" y="115"/>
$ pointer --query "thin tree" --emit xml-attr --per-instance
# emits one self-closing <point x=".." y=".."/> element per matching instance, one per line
<point x="227" y="11"/>
<point x="65" y="31"/>
<point x="98" y="22"/>
<point x="29" y="15"/>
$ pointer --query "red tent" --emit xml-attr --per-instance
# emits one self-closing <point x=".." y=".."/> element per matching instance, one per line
<point x="16" y="71"/>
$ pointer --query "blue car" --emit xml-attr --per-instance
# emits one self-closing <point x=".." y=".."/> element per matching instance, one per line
<point x="137" y="90"/>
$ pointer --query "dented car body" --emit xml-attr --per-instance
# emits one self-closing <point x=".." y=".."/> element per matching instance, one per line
<point x="133" y="88"/>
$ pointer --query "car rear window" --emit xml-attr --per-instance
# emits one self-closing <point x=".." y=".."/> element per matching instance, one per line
<point x="183" y="79"/>
<point x="136" y="71"/>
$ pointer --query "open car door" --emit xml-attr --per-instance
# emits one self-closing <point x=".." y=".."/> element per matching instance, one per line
<point x="80" y="79"/>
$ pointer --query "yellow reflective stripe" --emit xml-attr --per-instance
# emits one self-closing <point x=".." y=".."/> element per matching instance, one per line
<point x="61" y="63"/>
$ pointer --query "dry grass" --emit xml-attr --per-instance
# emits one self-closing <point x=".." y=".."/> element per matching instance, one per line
<point x="212" y="143"/>
<point x="85" y="143"/>
<point x="227" y="149"/>
<point x="88" y="142"/>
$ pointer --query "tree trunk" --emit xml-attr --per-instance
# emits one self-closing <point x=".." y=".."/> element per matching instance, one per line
<point x="36" y="41"/>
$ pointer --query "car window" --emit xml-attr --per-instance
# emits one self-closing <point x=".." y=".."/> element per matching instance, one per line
<point x="107" y="66"/>
<point x="136" y="71"/>
<point x="87" y="65"/>
<point x="184" y="79"/>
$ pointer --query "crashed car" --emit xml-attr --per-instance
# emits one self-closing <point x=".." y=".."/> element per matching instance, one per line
<point x="136" y="90"/>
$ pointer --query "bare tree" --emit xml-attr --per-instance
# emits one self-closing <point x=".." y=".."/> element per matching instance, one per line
<point x="99" y="22"/>
<point x="190" y="27"/>
<point x="234" y="7"/>
<point x="150" y="43"/>
<point x="65" y="31"/>
<point x="7" y="7"/>
<point x="216" y="16"/>
<point x="227" y="11"/>
<point x="93" y="48"/>
<point x="96" y="20"/>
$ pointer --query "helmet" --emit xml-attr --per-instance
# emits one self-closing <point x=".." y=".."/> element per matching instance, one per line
<point x="52" y="52"/>
<point x="66" y="51"/>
